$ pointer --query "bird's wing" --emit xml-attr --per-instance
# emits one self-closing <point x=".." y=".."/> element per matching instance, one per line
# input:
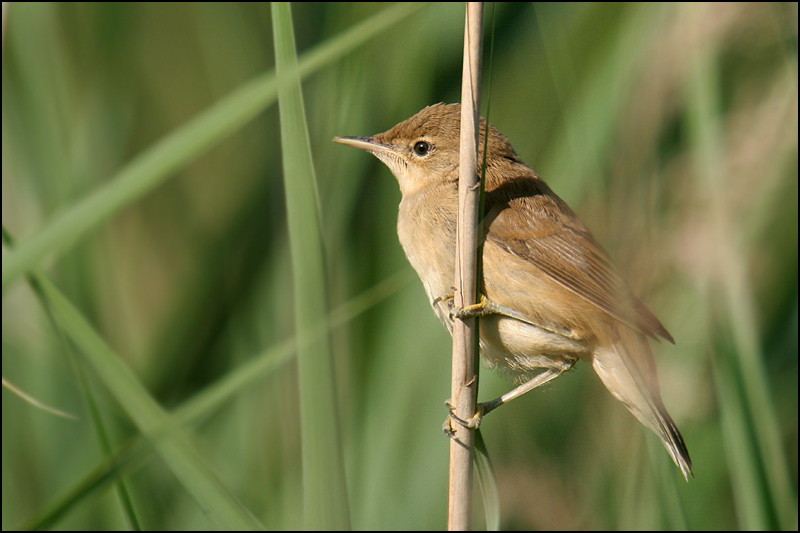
<point x="541" y="229"/>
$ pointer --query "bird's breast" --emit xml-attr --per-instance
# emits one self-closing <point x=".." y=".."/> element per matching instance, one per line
<point x="426" y="226"/>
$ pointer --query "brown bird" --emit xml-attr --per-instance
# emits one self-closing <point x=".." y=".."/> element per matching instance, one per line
<point x="550" y="294"/>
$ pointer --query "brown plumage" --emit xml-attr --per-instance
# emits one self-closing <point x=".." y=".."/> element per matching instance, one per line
<point x="552" y="295"/>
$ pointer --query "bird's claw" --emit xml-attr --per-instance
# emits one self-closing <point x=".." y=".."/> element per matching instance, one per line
<point x="482" y="308"/>
<point x="473" y="422"/>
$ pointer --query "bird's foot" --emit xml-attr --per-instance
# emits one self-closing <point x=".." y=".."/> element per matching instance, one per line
<point x="482" y="308"/>
<point x="473" y="422"/>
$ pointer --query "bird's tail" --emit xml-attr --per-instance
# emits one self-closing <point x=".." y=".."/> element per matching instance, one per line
<point x="628" y="371"/>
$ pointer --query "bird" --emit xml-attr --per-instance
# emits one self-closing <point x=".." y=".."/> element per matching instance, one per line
<point x="549" y="295"/>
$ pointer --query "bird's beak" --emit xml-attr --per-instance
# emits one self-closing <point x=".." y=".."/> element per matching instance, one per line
<point x="365" y="143"/>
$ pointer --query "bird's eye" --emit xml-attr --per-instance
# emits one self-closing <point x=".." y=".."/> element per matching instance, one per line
<point x="421" y="148"/>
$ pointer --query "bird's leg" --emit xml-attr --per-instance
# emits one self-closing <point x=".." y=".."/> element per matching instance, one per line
<point x="486" y="407"/>
<point x="487" y="307"/>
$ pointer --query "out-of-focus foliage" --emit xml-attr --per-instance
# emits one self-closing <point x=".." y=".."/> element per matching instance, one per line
<point x="671" y="129"/>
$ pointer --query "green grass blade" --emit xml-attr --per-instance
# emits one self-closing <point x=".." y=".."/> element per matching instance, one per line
<point x="207" y="402"/>
<point x="324" y="486"/>
<point x="178" y="452"/>
<point x="101" y="431"/>
<point x="159" y="163"/>
<point x="758" y="466"/>
<point x="106" y="472"/>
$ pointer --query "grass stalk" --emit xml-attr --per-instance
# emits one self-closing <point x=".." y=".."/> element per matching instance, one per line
<point x="324" y="487"/>
<point x="464" y="386"/>
<point x="179" y="452"/>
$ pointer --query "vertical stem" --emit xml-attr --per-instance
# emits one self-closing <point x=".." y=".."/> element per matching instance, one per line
<point x="325" y="503"/>
<point x="5" y="14"/>
<point x="464" y="387"/>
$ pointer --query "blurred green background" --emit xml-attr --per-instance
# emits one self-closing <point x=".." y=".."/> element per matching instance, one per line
<point x="671" y="129"/>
